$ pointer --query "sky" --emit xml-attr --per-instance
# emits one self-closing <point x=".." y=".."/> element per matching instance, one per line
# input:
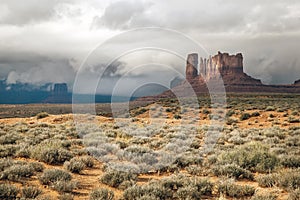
<point x="45" y="41"/>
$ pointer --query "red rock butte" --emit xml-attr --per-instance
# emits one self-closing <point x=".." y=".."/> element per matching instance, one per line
<point x="219" y="72"/>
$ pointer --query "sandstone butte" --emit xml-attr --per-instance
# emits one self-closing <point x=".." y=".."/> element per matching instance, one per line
<point x="219" y="72"/>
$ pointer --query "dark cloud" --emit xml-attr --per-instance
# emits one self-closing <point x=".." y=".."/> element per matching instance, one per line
<point x="36" y="69"/>
<point x="43" y="41"/>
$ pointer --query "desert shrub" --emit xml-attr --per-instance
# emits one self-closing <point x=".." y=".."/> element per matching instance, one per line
<point x="64" y="186"/>
<point x="42" y="115"/>
<point x="8" y="191"/>
<point x="294" y="113"/>
<point x="16" y="172"/>
<point x="186" y="160"/>
<point x="230" y="113"/>
<point x="232" y="171"/>
<point x="252" y="156"/>
<point x="149" y="191"/>
<point x="294" y="195"/>
<point x="267" y="180"/>
<point x="289" y="179"/>
<point x="75" y="165"/>
<point x="7" y="150"/>
<point x="52" y="154"/>
<point x="168" y="109"/>
<point x="30" y="192"/>
<point x="66" y="196"/>
<point x="114" y="178"/>
<point x="101" y="194"/>
<point x="88" y="161"/>
<point x="264" y="197"/>
<point x="291" y="161"/>
<point x="270" y="108"/>
<point x="177" y="116"/>
<point x="51" y="176"/>
<point x="236" y="191"/>
<point x="230" y="121"/>
<point x="206" y="111"/>
<point x="23" y="152"/>
<point x="237" y="140"/>
<point x="204" y="187"/>
<point x="293" y="141"/>
<point x="293" y="120"/>
<point x="245" y="116"/>
<point x="188" y="192"/>
<point x="9" y="139"/>
<point x="6" y="162"/>
<point x="38" y="167"/>
<point x="194" y="170"/>
<point x="255" y="114"/>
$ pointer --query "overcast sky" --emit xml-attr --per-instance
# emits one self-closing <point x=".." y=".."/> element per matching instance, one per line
<point x="47" y="40"/>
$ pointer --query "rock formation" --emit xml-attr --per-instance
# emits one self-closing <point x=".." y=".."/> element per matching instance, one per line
<point x="59" y="94"/>
<point x="219" y="72"/>
<point x="297" y="82"/>
<point x="222" y="63"/>
<point x="60" y="89"/>
<point x="223" y="71"/>
<point x="225" y="66"/>
<point x="176" y="81"/>
<point x="191" y="66"/>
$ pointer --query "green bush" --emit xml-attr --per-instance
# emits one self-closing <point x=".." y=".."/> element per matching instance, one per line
<point x="42" y="115"/>
<point x="8" y="191"/>
<point x="291" y="161"/>
<point x="268" y="180"/>
<point x="38" y="167"/>
<point x="51" y="176"/>
<point x="252" y="156"/>
<point x="114" y="178"/>
<point x="9" y="139"/>
<point x="6" y="162"/>
<point x="294" y="195"/>
<point x="230" y="113"/>
<point x="270" y="108"/>
<point x="8" y="150"/>
<point x="66" y="196"/>
<point x="75" y="165"/>
<point x="289" y="179"/>
<point x="64" y="186"/>
<point x="245" y="116"/>
<point x="188" y="192"/>
<point x="88" y="161"/>
<point x="16" y="172"/>
<point x="236" y="191"/>
<point x="232" y="171"/>
<point x="101" y="194"/>
<point x="264" y="197"/>
<point x="51" y="154"/>
<point x="255" y="114"/>
<point x="153" y="191"/>
<point x="177" y="116"/>
<point x="30" y="192"/>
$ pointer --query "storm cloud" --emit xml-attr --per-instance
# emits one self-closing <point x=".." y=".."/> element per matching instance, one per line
<point x="47" y="41"/>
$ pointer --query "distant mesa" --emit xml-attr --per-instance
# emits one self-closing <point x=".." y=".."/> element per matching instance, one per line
<point x="222" y="71"/>
<point x="176" y="81"/>
<point x="59" y="94"/>
<point x="297" y="82"/>
<point x="60" y="89"/>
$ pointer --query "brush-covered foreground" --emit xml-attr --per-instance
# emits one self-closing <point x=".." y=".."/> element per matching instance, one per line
<point x="257" y="155"/>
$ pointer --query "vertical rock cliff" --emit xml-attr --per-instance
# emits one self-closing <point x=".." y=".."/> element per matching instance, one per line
<point x="191" y="66"/>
